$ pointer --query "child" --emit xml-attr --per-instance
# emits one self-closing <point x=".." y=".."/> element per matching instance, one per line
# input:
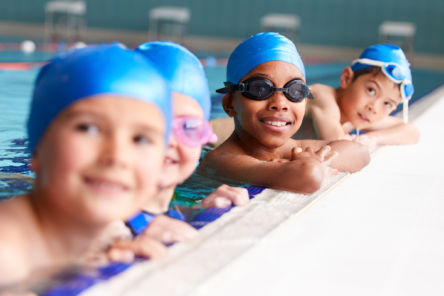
<point x="97" y="127"/>
<point x="266" y="94"/>
<point x="369" y="91"/>
<point x="190" y="130"/>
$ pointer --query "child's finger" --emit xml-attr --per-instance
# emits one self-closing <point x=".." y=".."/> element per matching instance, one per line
<point x="149" y="248"/>
<point x="170" y="230"/>
<point x="117" y="254"/>
<point x="322" y="153"/>
<point x="224" y="196"/>
<point x="309" y="150"/>
<point x="295" y="151"/>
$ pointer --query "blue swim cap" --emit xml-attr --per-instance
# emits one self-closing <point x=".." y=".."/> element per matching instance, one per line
<point x="80" y="73"/>
<point x="258" y="49"/>
<point x="182" y="69"/>
<point x="387" y="53"/>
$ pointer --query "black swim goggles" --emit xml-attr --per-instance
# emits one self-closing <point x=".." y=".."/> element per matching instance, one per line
<point x="260" y="88"/>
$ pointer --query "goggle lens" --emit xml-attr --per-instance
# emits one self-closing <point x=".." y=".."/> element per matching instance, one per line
<point x="192" y="131"/>
<point x="259" y="89"/>
<point x="407" y="89"/>
<point x="296" y="90"/>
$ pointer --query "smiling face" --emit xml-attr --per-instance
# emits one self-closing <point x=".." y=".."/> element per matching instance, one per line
<point x="99" y="160"/>
<point x="271" y="122"/>
<point x="367" y="99"/>
<point x="180" y="159"/>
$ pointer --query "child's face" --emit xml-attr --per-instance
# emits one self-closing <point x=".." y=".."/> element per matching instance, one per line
<point x="180" y="159"/>
<point x="100" y="159"/>
<point x="368" y="99"/>
<point x="273" y="121"/>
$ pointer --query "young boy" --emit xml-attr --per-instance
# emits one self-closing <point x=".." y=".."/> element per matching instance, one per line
<point x="97" y="127"/>
<point x="369" y="91"/>
<point x="266" y="95"/>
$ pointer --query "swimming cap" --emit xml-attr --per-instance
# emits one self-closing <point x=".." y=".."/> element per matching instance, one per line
<point x="387" y="53"/>
<point x="258" y="49"/>
<point x="182" y="69"/>
<point x="80" y="73"/>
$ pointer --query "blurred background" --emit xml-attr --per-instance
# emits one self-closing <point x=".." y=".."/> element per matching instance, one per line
<point x="324" y="29"/>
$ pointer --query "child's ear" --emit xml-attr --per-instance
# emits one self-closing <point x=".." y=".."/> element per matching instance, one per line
<point x="35" y="163"/>
<point x="346" y="77"/>
<point x="227" y="104"/>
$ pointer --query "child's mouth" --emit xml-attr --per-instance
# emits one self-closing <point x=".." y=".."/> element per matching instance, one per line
<point x="362" y="117"/>
<point x="276" y="124"/>
<point x="170" y="161"/>
<point x="105" y="185"/>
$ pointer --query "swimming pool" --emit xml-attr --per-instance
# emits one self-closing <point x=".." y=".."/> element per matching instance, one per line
<point x="15" y="93"/>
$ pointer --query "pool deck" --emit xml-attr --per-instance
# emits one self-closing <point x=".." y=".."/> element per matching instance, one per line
<point x="376" y="232"/>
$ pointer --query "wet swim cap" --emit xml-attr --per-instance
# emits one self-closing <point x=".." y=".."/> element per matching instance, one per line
<point x="387" y="53"/>
<point x="80" y="73"/>
<point x="258" y="49"/>
<point x="182" y="69"/>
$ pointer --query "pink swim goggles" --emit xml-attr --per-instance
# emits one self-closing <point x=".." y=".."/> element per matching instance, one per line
<point x="193" y="131"/>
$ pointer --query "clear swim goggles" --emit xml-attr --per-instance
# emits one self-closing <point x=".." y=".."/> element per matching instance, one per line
<point x="192" y="131"/>
<point x="394" y="72"/>
<point x="260" y="88"/>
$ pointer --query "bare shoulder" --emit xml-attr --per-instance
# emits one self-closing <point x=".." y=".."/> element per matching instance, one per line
<point x="322" y="92"/>
<point x="15" y="228"/>
<point x="324" y="97"/>
<point x="15" y="219"/>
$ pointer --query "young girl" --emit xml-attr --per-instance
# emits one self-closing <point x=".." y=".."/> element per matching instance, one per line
<point x="190" y="127"/>
<point x="266" y="95"/>
<point x="97" y="127"/>
<point x="190" y="130"/>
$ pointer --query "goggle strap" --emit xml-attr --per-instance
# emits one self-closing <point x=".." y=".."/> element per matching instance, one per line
<point x="229" y="87"/>
<point x="405" y="110"/>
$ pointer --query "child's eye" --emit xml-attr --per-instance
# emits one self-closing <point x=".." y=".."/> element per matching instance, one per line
<point x="142" y="140"/>
<point x="371" y="91"/>
<point x="88" y="128"/>
<point x="388" y="105"/>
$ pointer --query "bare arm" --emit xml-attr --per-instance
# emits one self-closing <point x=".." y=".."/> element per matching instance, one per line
<point x="302" y="175"/>
<point x="326" y="114"/>
<point x="391" y="131"/>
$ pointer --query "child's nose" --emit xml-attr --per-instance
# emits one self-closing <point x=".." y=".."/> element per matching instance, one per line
<point x="371" y="107"/>
<point x="115" y="151"/>
<point x="173" y="142"/>
<point x="278" y="102"/>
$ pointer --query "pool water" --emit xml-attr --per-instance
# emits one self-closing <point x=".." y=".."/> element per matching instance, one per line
<point x="15" y="94"/>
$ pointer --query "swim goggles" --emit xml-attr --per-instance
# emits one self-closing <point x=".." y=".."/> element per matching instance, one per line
<point x="259" y="89"/>
<point x="394" y="72"/>
<point x="193" y="131"/>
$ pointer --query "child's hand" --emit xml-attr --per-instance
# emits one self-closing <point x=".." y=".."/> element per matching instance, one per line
<point x="169" y="230"/>
<point x="150" y="244"/>
<point x="324" y="155"/>
<point x="225" y="196"/>
<point x="143" y="245"/>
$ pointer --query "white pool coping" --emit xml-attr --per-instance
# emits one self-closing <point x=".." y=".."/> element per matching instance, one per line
<point x="376" y="232"/>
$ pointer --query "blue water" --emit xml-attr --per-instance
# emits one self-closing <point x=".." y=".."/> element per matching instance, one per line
<point x="15" y="94"/>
